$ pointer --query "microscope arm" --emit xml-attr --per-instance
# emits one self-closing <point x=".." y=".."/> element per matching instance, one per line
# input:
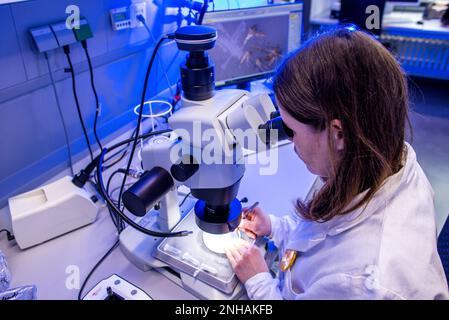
<point x="164" y="172"/>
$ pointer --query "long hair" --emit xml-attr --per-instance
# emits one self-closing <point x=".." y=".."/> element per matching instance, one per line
<point x="345" y="74"/>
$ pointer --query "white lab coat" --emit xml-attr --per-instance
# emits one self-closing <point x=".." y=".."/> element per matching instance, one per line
<point x="387" y="251"/>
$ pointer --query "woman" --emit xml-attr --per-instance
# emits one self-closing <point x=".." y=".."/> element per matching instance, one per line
<point x="369" y="232"/>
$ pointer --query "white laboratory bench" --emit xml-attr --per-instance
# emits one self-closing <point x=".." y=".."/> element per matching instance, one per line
<point x="46" y="265"/>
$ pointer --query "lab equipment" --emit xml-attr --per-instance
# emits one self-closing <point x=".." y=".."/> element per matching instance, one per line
<point x="120" y="18"/>
<point x="252" y="207"/>
<point x="179" y="158"/>
<point x="204" y="273"/>
<point x="126" y="17"/>
<point x="253" y="40"/>
<point x="116" y="288"/>
<point x="278" y="126"/>
<point x="50" y="211"/>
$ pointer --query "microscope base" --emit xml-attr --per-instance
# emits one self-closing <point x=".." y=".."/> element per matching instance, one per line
<point x="141" y="250"/>
<point x="200" y="289"/>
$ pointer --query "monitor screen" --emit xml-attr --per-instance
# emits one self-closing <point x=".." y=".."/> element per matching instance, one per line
<point x="252" y="41"/>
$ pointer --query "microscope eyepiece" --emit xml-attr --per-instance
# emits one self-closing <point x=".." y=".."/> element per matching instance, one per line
<point x="283" y="131"/>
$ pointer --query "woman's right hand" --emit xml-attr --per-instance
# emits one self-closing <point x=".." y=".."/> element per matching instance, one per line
<point x="255" y="223"/>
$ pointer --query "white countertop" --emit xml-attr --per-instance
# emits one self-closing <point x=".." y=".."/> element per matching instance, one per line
<point x="46" y="265"/>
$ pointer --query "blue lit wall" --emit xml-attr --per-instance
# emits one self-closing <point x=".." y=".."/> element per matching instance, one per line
<point x="32" y="139"/>
<point x="32" y="142"/>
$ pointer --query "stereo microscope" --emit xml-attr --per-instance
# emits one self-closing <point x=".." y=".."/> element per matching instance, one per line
<point x="204" y="152"/>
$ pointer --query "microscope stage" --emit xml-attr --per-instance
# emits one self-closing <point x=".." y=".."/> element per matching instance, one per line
<point x="190" y="255"/>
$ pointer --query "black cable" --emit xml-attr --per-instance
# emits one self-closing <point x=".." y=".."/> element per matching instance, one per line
<point x="150" y="34"/>
<point x="9" y="236"/>
<point x="80" y="116"/>
<point x="202" y="12"/>
<point x="124" y="151"/>
<point x="110" y="179"/>
<point x="61" y="116"/>
<point x="114" y="218"/>
<point x="185" y="198"/>
<point x="81" y="178"/>
<point x="123" y="154"/>
<point x="113" y="191"/>
<point x="92" y="84"/>
<point x="139" y="119"/>
<point x="121" y="214"/>
<point x="95" y="268"/>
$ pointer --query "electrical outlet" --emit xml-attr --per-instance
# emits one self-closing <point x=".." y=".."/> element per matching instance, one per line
<point x="44" y="38"/>
<point x="135" y="10"/>
<point x="84" y="32"/>
<point x="63" y="35"/>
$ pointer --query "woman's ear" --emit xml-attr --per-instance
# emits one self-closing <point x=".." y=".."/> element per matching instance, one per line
<point x="337" y="135"/>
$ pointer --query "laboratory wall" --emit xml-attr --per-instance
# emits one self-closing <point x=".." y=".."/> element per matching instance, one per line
<point x="32" y="142"/>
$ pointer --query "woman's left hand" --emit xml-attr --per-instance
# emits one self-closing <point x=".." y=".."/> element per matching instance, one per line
<point x="246" y="260"/>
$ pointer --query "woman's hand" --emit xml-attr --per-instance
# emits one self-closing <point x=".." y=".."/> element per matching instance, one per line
<point x="246" y="260"/>
<point x="255" y="223"/>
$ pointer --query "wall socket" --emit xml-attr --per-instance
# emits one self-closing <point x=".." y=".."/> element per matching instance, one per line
<point x="138" y="9"/>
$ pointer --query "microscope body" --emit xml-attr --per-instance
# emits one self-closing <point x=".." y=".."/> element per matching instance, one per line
<point x="202" y="154"/>
<point x="205" y="153"/>
<point x="213" y="179"/>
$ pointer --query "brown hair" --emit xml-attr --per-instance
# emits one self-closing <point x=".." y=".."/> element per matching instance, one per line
<point x="345" y="74"/>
